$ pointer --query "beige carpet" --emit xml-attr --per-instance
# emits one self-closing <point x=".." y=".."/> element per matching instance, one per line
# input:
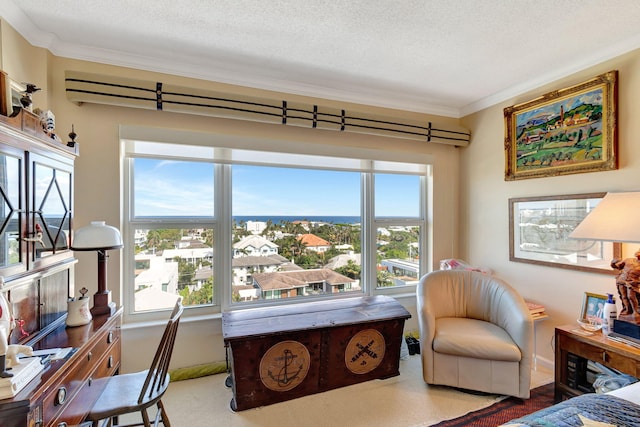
<point x="402" y="401"/>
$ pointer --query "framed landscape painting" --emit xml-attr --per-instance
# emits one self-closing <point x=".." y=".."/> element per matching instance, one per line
<point x="573" y="130"/>
<point x="539" y="229"/>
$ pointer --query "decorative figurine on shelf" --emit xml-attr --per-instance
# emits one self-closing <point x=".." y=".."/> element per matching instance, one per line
<point x="73" y="136"/>
<point x="27" y="95"/>
<point x="14" y="350"/>
<point x="37" y="236"/>
<point x="628" y="284"/>
<point x="48" y="123"/>
<point x="20" y="324"/>
<point x="6" y="325"/>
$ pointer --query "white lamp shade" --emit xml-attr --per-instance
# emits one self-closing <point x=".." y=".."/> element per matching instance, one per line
<point x="96" y="236"/>
<point x="614" y="219"/>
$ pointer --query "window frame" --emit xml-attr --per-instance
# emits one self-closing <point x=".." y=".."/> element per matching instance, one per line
<point x="222" y="300"/>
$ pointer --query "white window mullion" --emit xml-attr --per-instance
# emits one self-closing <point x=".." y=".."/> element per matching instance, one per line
<point x="368" y="256"/>
<point x="223" y="242"/>
<point x="128" y="231"/>
<point x="426" y="240"/>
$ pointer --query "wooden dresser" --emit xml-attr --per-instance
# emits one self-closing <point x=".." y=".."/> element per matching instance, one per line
<point x="63" y="393"/>
<point x="37" y="270"/>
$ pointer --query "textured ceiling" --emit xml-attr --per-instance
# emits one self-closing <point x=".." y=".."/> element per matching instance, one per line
<point x="448" y="57"/>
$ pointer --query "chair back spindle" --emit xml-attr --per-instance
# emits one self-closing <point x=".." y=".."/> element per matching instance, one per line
<point x="158" y="373"/>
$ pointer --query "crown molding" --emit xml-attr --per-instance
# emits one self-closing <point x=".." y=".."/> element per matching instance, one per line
<point x="221" y="71"/>
<point x="244" y="73"/>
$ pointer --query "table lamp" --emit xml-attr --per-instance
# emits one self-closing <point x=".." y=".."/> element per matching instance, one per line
<point x="99" y="237"/>
<point x="614" y="219"/>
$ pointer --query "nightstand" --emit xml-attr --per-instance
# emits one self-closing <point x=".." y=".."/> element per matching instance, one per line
<point x="573" y="351"/>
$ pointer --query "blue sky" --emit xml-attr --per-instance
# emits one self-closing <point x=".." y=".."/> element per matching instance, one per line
<point x="186" y="188"/>
<point x="593" y="97"/>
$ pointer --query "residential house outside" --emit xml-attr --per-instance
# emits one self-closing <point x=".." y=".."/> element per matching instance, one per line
<point x="254" y="246"/>
<point x="245" y="266"/>
<point x="314" y="243"/>
<point x="302" y="283"/>
<point x="404" y="271"/>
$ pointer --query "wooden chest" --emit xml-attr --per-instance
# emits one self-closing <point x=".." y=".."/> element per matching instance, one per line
<point x="282" y="353"/>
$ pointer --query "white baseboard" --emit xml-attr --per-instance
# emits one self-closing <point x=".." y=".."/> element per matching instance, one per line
<point x="542" y="362"/>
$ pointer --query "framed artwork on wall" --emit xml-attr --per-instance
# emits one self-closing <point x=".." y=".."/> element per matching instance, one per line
<point x="10" y="94"/>
<point x="539" y="229"/>
<point x="17" y="91"/>
<point x="572" y="130"/>
<point x="5" y="94"/>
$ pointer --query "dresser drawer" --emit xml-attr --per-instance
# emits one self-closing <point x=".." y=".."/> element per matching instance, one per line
<point x="62" y="393"/>
<point x="106" y="340"/>
<point x="109" y="364"/>
<point x="76" y="409"/>
<point x="101" y="360"/>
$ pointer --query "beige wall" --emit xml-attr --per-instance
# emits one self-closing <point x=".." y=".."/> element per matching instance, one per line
<point x="97" y="180"/>
<point x="469" y="191"/>
<point x="485" y="194"/>
<point x="23" y="62"/>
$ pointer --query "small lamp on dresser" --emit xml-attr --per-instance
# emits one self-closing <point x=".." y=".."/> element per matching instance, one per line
<point x="614" y="219"/>
<point x="99" y="237"/>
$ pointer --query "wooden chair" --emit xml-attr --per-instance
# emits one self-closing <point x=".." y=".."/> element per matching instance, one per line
<point x="136" y="392"/>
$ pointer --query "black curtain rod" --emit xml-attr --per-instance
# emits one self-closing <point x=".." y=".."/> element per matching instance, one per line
<point x="283" y="111"/>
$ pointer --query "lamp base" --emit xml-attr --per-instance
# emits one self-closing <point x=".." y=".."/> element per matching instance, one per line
<point x="628" y="330"/>
<point x="102" y="304"/>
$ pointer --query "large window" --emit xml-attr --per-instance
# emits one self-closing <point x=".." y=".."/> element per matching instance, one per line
<point x="229" y="227"/>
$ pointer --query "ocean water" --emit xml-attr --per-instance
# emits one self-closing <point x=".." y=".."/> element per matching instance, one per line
<point x="290" y="218"/>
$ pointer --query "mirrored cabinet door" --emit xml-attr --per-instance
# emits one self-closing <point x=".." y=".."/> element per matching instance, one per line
<point x="12" y="212"/>
<point x="50" y="207"/>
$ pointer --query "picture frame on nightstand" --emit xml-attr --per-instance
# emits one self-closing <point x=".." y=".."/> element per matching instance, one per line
<point x="592" y="306"/>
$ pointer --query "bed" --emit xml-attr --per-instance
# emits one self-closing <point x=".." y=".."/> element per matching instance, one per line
<point x="620" y="408"/>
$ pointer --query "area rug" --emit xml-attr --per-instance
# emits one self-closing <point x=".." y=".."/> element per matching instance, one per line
<point x="401" y="401"/>
<point x="504" y="411"/>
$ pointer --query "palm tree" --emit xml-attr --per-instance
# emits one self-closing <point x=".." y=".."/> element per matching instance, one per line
<point x="351" y="270"/>
<point x="207" y="236"/>
<point x="269" y="230"/>
<point x="298" y="247"/>
<point x="154" y="239"/>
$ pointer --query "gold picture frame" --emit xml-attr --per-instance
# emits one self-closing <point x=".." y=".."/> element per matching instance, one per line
<point x="592" y="306"/>
<point x="5" y="94"/>
<point x="10" y="94"/>
<point x="567" y="131"/>
<point x="539" y="229"/>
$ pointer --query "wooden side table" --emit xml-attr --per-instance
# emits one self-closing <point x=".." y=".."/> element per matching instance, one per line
<point x="574" y="350"/>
